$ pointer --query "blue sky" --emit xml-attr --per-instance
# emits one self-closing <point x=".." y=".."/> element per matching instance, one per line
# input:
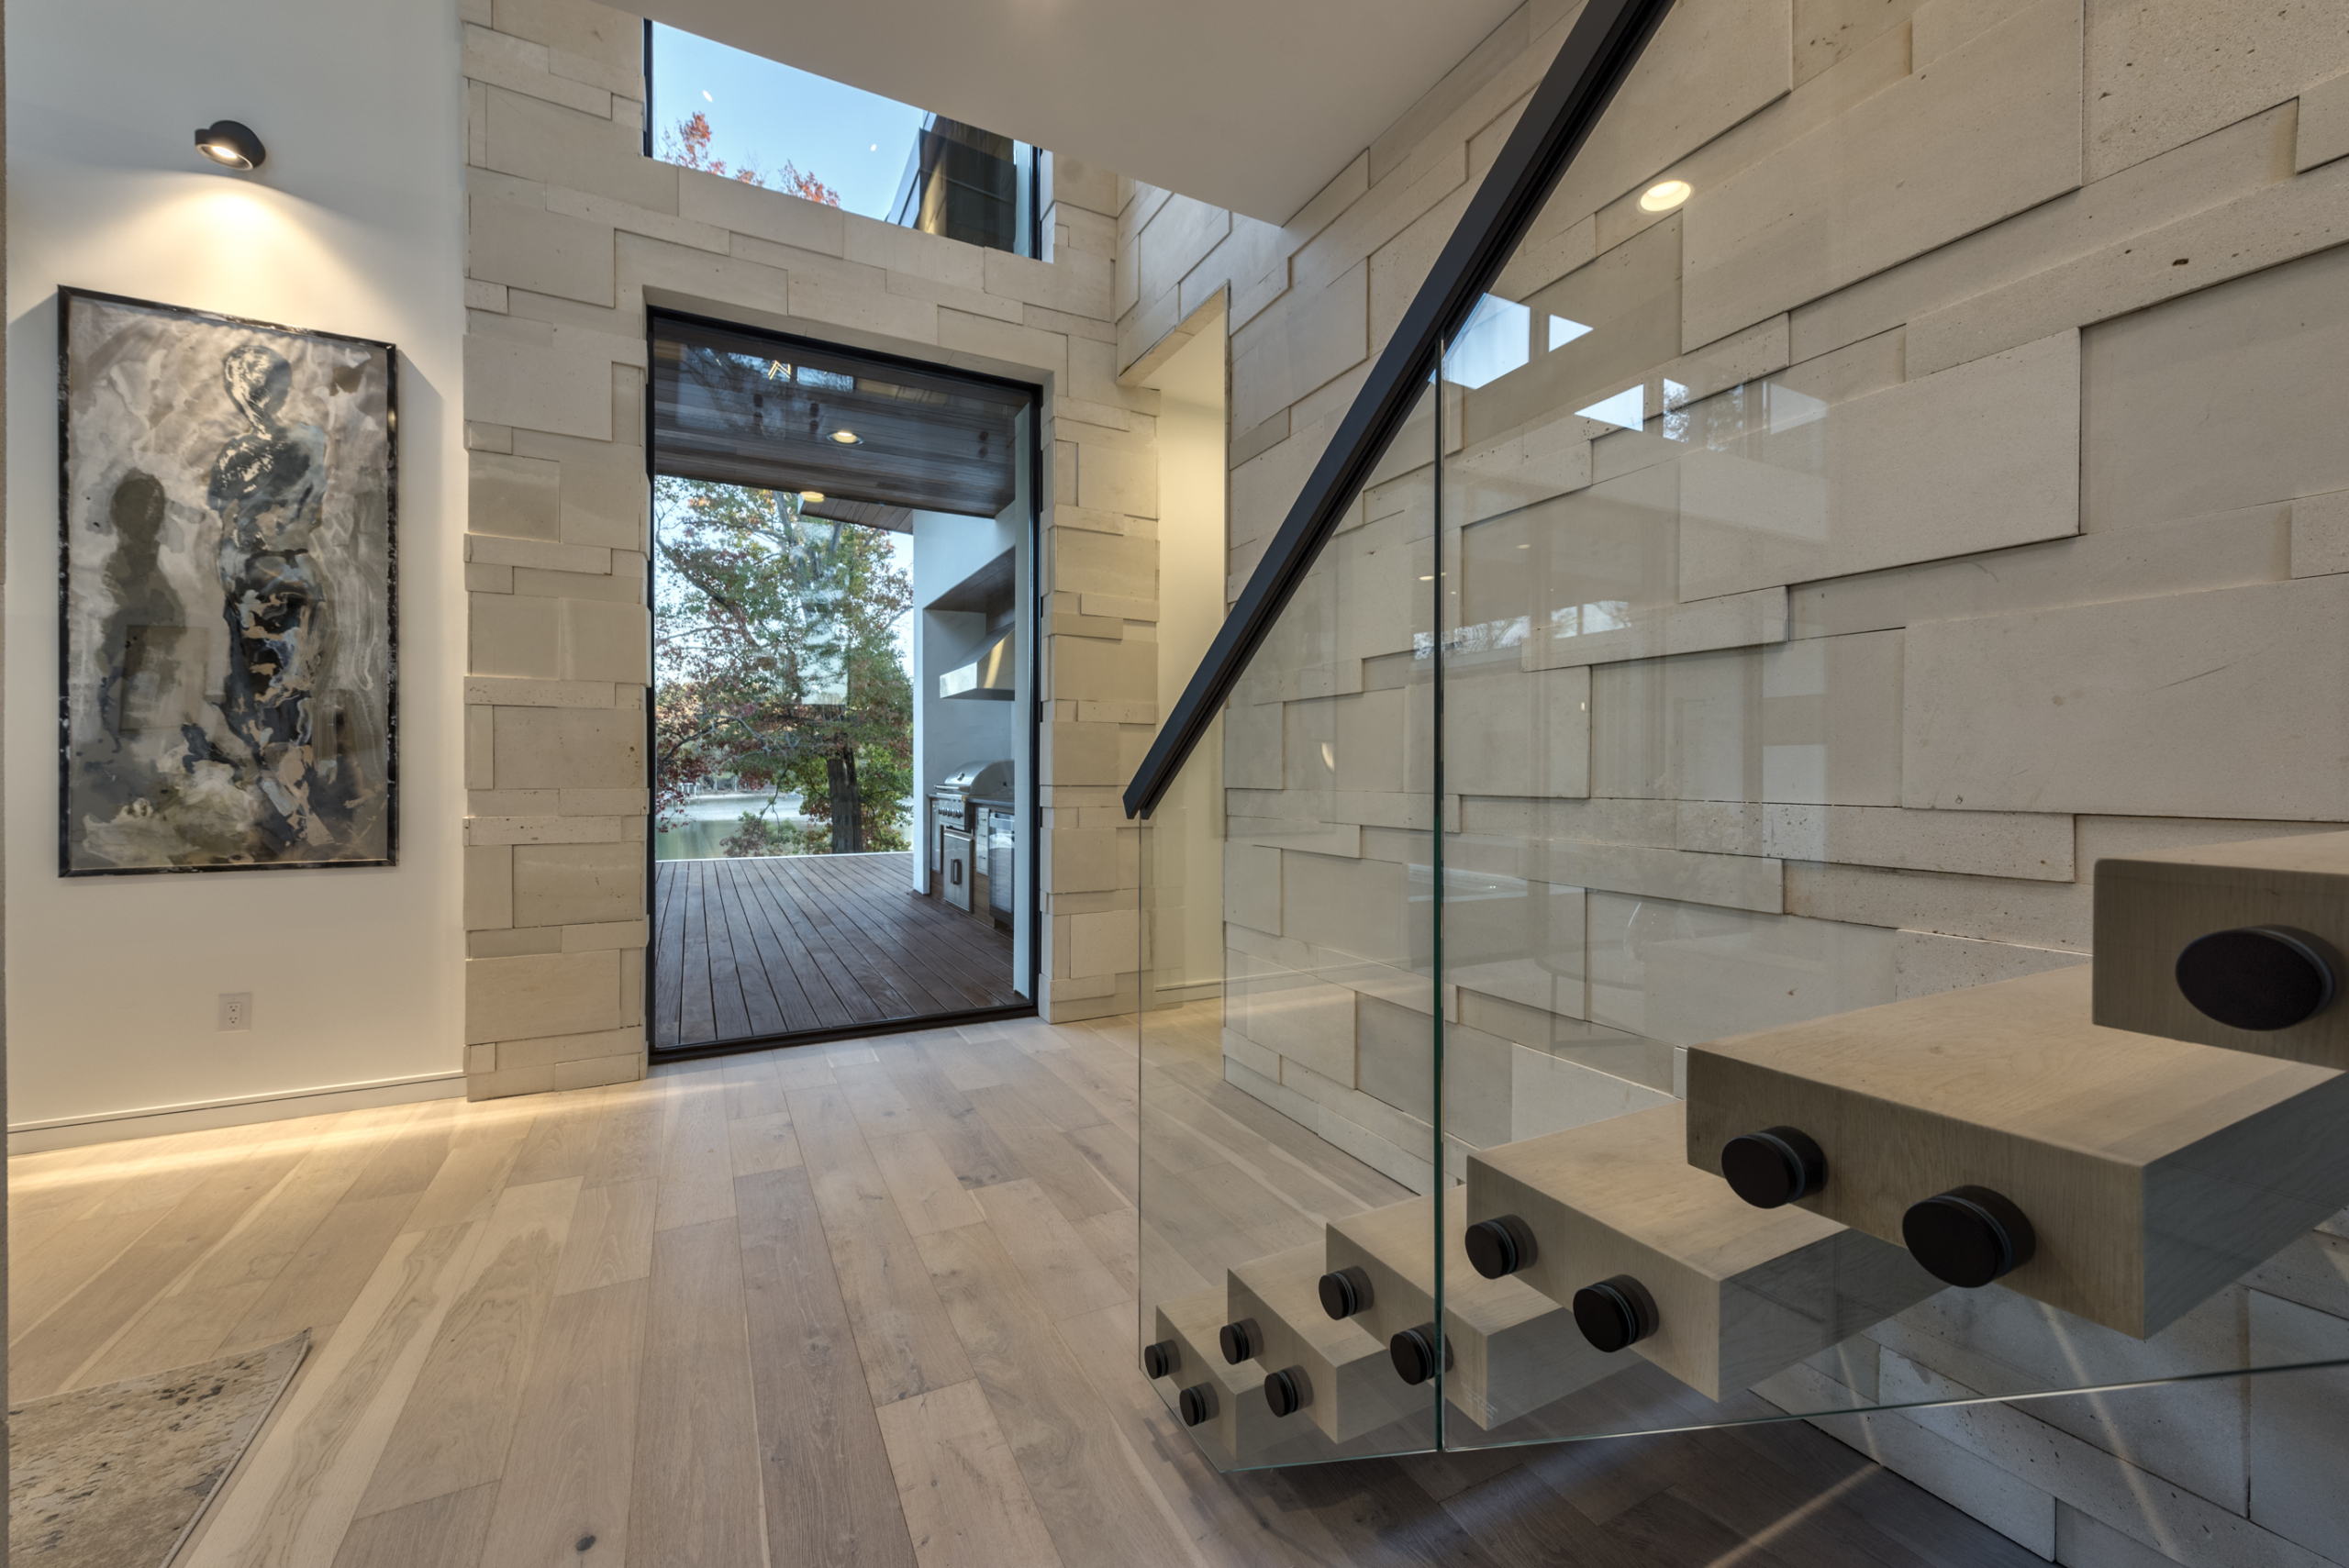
<point x="854" y="141"/>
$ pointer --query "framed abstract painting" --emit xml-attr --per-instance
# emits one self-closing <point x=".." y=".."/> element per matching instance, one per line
<point x="227" y="641"/>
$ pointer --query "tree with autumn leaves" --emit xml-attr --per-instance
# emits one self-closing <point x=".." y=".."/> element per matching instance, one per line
<point x="776" y="658"/>
<point x="775" y="638"/>
<point x="686" y="144"/>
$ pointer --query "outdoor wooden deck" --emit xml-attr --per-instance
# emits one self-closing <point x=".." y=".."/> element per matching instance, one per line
<point x="747" y="948"/>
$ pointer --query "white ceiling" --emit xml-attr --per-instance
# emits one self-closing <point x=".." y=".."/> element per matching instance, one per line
<point x="1252" y="105"/>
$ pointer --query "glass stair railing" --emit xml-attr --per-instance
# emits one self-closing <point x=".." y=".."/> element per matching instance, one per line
<point x="1583" y="992"/>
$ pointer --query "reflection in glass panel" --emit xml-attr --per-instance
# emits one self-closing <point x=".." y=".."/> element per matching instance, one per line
<point x="742" y="116"/>
<point x="1287" y="1111"/>
<point x="1693" y="919"/>
<point x="968" y="184"/>
<point x="1698" y="684"/>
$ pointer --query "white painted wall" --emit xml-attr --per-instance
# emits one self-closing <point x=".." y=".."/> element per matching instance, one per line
<point x="947" y="548"/>
<point x="1190" y="509"/>
<point x="1190" y="611"/>
<point x="355" y="225"/>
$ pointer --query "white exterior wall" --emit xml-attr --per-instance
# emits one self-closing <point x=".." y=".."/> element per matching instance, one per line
<point x="954" y="733"/>
<point x="1187" y="949"/>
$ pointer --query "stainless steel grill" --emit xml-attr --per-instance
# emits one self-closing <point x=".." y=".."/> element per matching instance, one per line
<point x="951" y="803"/>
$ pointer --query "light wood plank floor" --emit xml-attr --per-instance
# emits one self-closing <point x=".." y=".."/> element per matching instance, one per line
<point x="867" y="1304"/>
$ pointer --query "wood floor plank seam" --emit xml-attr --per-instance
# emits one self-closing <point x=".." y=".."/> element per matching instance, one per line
<point x="320" y="1282"/>
<point x="697" y="1017"/>
<point x="693" y="1482"/>
<point x="962" y="1136"/>
<point x="1028" y="1375"/>
<point x="1061" y="1171"/>
<point x="903" y="1336"/>
<point x="73" y="1272"/>
<point x="453" y="1427"/>
<point x="80" y="1376"/>
<point x="852" y="1001"/>
<point x="294" y="1505"/>
<point x="828" y="1492"/>
<point x="44" y="1360"/>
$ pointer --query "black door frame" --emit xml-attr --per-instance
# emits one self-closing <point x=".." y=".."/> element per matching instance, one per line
<point x="1030" y="916"/>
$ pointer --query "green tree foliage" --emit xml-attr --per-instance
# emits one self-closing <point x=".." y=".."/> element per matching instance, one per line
<point x="777" y="660"/>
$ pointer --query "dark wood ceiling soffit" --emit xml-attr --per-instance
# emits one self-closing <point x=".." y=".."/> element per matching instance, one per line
<point x="870" y="514"/>
<point x="742" y="409"/>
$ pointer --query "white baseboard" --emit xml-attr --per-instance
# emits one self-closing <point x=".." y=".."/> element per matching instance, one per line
<point x="153" y="1121"/>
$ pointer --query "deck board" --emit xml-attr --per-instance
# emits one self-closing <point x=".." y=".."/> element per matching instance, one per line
<point x="803" y="906"/>
<point x="727" y="973"/>
<point x="758" y="947"/>
<point x="759" y="999"/>
<point x="775" y="956"/>
<point x="946" y="984"/>
<point x="698" y="1018"/>
<point x="792" y="957"/>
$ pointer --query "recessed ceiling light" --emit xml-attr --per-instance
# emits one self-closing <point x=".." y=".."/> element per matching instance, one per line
<point x="231" y="144"/>
<point x="848" y="437"/>
<point x="1663" y="196"/>
<point x="811" y="497"/>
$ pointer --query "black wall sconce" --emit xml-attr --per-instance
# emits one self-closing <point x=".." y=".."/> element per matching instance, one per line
<point x="232" y="144"/>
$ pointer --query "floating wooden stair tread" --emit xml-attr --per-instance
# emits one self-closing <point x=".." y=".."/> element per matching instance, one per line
<point x="1348" y="1383"/>
<point x="1738" y="1293"/>
<point x="1236" y="1425"/>
<point x="1512" y="1349"/>
<point x="2255" y="995"/>
<point x="2151" y="1172"/>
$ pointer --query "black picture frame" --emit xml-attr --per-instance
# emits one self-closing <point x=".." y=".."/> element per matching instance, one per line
<point x="79" y="702"/>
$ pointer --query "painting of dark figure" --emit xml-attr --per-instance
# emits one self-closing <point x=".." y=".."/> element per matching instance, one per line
<point x="227" y="573"/>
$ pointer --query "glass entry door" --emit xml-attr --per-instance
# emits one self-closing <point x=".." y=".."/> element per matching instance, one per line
<point x="841" y="735"/>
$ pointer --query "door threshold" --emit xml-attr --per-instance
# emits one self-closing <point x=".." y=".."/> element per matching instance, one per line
<point x="846" y="1032"/>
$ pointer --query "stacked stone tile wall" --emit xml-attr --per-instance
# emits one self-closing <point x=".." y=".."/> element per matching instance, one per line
<point x="2103" y="244"/>
<point x="573" y="232"/>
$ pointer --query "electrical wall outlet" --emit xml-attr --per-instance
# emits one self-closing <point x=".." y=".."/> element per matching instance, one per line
<point x="236" y="1010"/>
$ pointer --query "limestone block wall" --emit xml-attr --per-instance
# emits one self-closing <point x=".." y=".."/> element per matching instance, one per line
<point x="2049" y="299"/>
<point x="572" y="233"/>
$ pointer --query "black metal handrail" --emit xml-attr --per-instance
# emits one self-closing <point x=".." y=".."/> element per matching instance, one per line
<point x="1599" y="51"/>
